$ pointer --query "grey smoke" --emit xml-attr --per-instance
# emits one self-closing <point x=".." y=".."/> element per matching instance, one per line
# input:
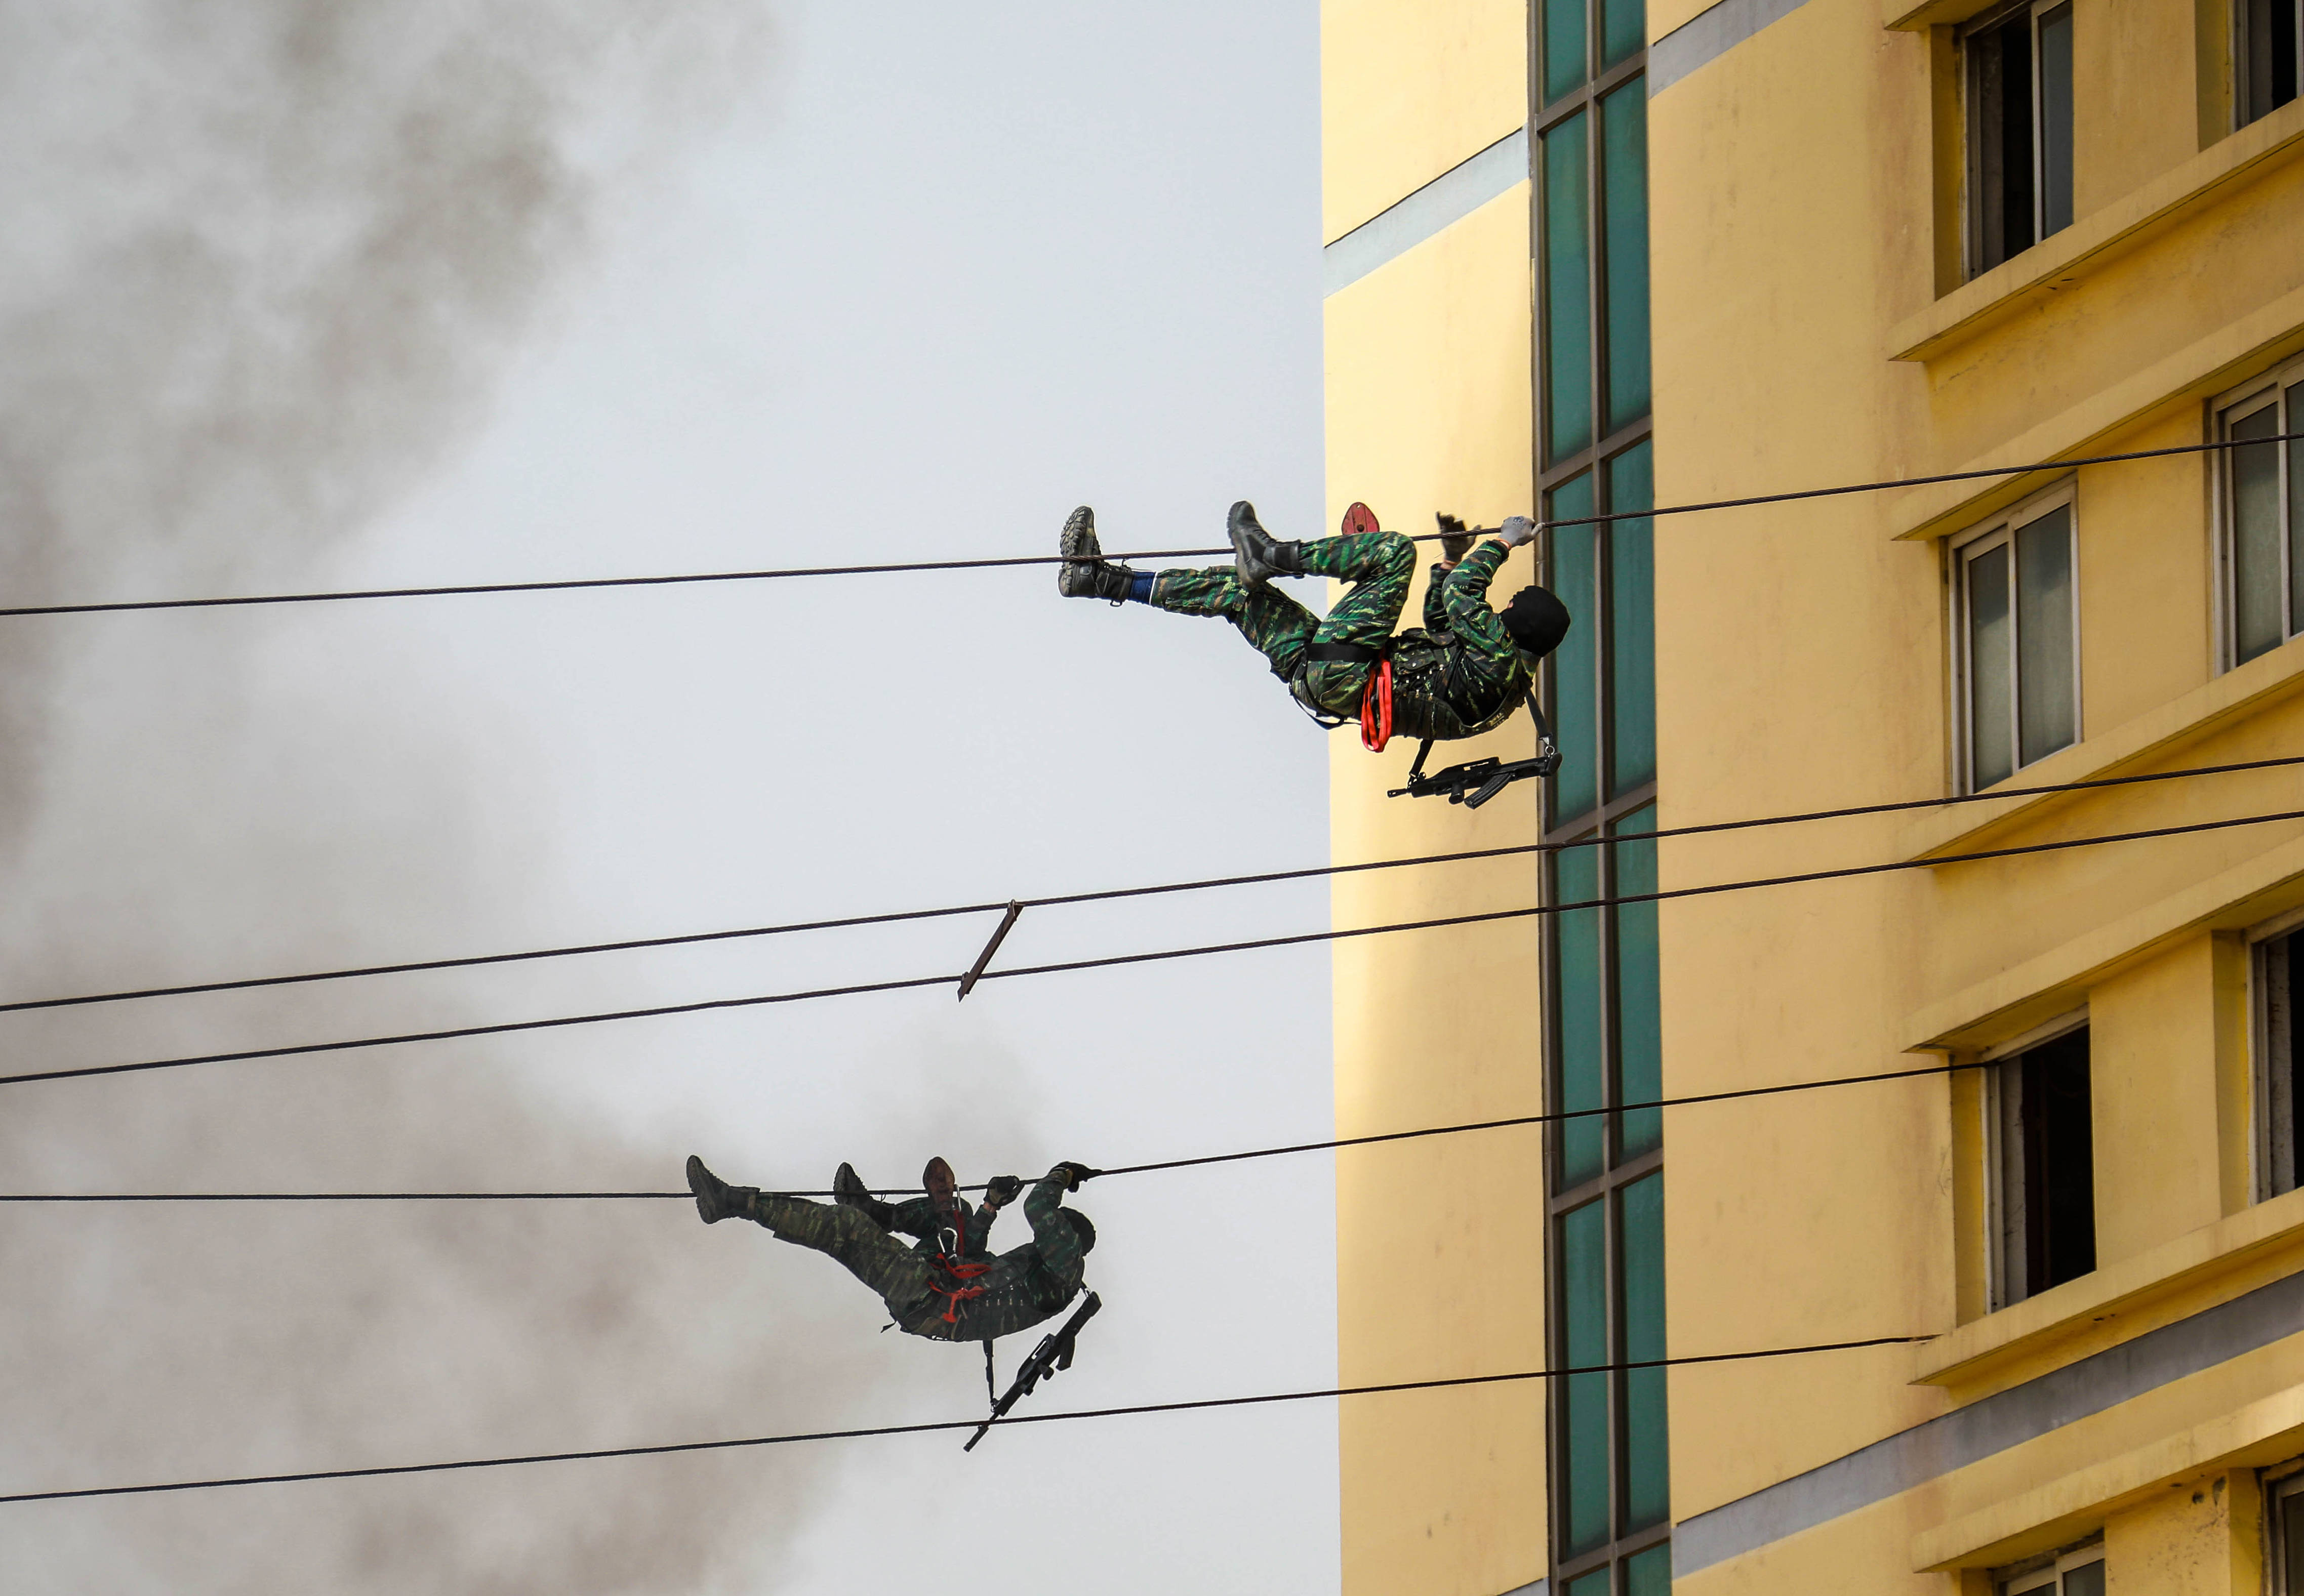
<point x="259" y="265"/>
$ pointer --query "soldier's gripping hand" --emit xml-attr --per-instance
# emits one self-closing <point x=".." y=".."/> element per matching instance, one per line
<point x="1001" y="1190"/>
<point x="1455" y="538"/>
<point x="1072" y="1174"/>
<point x="1516" y="530"/>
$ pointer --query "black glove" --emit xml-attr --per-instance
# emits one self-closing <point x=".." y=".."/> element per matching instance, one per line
<point x="1455" y="540"/>
<point x="1074" y="1174"/>
<point x="1001" y="1190"/>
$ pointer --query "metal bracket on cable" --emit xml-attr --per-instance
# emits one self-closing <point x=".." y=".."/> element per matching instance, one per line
<point x="976" y="971"/>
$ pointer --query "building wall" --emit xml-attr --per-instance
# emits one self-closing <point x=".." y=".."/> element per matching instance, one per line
<point x="1814" y="326"/>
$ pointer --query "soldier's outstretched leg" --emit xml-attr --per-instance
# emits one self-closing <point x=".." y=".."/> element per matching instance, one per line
<point x="890" y="1268"/>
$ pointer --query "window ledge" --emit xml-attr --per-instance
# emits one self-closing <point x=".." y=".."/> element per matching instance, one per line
<point x="2118" y="1301"/>
<point x="2151" y="737"/>
<point x="2094" y="241"/>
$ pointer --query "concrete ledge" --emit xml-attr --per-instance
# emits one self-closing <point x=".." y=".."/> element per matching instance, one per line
<point x="2153" y="737"/>
<point x="2067" y="1507"/>
<point x="2094" y="241"/>
<point x="2179" y="1278"/>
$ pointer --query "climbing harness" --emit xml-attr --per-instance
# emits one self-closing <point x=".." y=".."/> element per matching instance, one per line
<point x="1477" y="780"/>
<point x="950" y="1261"/>
<point x="1053" y="1353"/>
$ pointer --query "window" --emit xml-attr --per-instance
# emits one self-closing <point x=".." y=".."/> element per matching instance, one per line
<point x="2019" y="640"/>
<point x="2265" y="55"/>
<point x="2283" y="1513"/>
<point x="2020" y="130"/>
<point x="2263" y="502"/>
<point x="2279" y="979"/>
<point x="2077" y="1572"/>
<point x="2046" y="1168"/>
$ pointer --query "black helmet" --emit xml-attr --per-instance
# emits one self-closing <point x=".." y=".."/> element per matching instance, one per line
<point x="1086" y="1231"/>
<point x="1536" y="622"/>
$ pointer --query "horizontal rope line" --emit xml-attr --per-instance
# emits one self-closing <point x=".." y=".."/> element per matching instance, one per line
<point x="1111" y="894"/>
<point x="1553" y="1118"/>
<point x="575" y="584"/>
<point x="1119" y="960"/>
<point x="1203" y="1404"/>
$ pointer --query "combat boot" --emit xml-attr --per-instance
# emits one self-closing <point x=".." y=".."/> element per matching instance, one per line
<point x="1258" y="556"/>
<point x="1085" y="572"/>
<point x="715" y="1199"/>
<point x="848" y="1190"/>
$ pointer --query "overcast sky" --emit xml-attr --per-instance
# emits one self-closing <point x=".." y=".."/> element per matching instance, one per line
<point x="376" y="292"/>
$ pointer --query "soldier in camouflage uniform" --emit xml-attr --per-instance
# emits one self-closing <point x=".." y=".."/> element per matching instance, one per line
<point x="928" y="1293"/>
<point x="942" y="1222"/>
<point x="1463" y="672"/>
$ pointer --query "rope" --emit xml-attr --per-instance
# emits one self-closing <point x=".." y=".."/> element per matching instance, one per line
<point x="1118" y="961"/>
<point x="575" y="584"/>
<point x="1555" y="1118"/>
<point x="1203" y="1404"/>
<point x="1111" y="894"/>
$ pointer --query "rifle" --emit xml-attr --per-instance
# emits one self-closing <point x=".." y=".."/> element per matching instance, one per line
<point x="1054" y="1352"/>
<point x="1477" y="780"/>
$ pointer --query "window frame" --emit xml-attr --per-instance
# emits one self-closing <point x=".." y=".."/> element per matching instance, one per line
<point x="1960" y="551"/>
<point x="2245" y="108"/>
<point x="2283" y="1560"/>
<point x="2268" y="1154"/>
<point x="1977" y="162"/>
<point x="2000" y="1262"/>
<point x="2045" y="1577"/>
<point x="2234" y="405"/>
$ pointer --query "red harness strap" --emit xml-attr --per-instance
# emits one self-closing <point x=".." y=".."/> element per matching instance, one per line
<point x="956" y="1294"/>
<point x="1376" y="709"/>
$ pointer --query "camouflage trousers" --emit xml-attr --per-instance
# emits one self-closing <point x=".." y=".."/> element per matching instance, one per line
<point x="1379" y="565"/>
<point x="899" y="1275"/>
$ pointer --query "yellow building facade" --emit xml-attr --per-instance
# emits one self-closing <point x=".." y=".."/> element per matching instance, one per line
<point x="1840" y="242"/>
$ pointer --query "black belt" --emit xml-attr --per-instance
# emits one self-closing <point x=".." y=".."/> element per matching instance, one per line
<point x="1345" y="653"/>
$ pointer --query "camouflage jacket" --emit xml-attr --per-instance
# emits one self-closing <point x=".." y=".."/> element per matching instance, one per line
<point x="1019" y="1288"/>
<point x="1458" y="674"/>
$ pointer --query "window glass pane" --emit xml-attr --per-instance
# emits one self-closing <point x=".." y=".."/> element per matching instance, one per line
<point x="1647" y="1483"/>
<point x="2292" y="1535"/>
<point x="1624" y="211"/>
<point x="1576" y="877"/>
<point x="2059" y="1164"/>
<point x="2056" y="120"/>
<point x="2288" y="417"/>
<point x="1567" y="290"/>
<point x="2088" y="1580"/>
<point x="2277" y="969"/>
<point x="1632" y="621"/>
<point x="1623" y="29"/>
<point x="1584" y="1341"/>
<point x="1640" y="1046"/>
<point x="1650" y="1573"/>
<point x="1576" y="663"/>
<point x="1992" y="743"/>
<point x="2257" y="539"/>
<point x="2048" y="706"/>
<point x="1563" y="47"/>
<point x="1595" y="1583"/>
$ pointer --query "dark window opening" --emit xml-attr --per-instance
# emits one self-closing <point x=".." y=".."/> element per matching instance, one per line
<point x="2048" y="1168"/>
<point x="2268" y="51"/>
<point x="2020" y="131"/>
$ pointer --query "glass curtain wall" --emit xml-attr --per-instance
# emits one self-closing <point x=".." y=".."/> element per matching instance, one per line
<point x="1610" y="1510"/>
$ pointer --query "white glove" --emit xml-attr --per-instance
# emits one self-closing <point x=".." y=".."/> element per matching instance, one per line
<point x="1516" y="530"/>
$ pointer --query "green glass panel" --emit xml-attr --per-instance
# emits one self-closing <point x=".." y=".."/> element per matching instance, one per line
<point x="2257" y="540"/>
<point x="1584" y="1341"/>
<point x="1595" y="1583"/>
<point x="1650" y="1573"/>
<point x="2056" y="121"/>
<point x="1623" y="30"/>
<point x="2048" y="703"/>
<point x="2291" y="1528"/>
<point x="2086" y="1580"/>
<point x="1632" y="621"/>
<point x="1624" y="235"/>
<point x="1647" y="1479"/>
<point x="1567" y="290"/>
<point x="1576" y="877"/>
<point x="1640" y="1024"/>
<point x="1575" y="577"/>
<point x="1563" y="47"/>
<point x="1991" y="665"/>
